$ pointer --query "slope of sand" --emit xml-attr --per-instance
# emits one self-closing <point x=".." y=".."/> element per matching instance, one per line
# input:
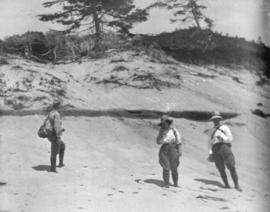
<point x="112" y="163"/>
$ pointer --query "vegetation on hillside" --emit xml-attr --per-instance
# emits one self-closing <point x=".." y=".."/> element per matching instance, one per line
<point x="56" y="46"/>
<point x="205" y="47"/>
<point x="197" y="44"/>
<point x="201" y="47"/>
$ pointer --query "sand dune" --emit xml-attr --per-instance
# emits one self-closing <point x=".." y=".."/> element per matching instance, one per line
<point x="112" y="162"/>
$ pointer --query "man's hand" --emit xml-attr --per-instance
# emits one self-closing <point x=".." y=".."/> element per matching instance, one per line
<point x="210" y="158"/>
<point x="220" y="139"/>
<point x="179" y="149"/>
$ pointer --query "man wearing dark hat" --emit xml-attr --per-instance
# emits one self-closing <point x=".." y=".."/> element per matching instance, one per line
<point x="220" y="138"/>
<point x="57" y="145"/>
<point x="170" y="150"/>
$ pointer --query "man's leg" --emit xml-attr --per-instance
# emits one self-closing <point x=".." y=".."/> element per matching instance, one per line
<point x="221" y="168"/>
<point x="166" y="177"/>
<point x="230" y="163"/>
<point x="62" y="148"/>
<point x="224" y="178"/>
<point x="174" y="161"/>
<point x="235" y="178"/>
<point x="54" y="152"/>
<point x="175" y="177"/>
<point x="165" y="164"/>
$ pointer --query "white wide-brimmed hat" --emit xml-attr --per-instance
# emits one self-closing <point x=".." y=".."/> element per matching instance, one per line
<point x="215" y="115"/>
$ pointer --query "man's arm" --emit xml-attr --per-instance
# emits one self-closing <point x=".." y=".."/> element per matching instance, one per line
<point x="179" y="149"/>
<point x="159" y="137"/>
<point x="177" y="136"/>
<point x="178" y="141"/>
<point x="210" y="142"/>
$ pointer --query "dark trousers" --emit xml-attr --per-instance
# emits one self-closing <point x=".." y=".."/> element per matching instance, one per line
<point x="166" y="176"/>
<point x="169" y="160"/>
<point x="57" y="147"/>
<point x="223" y="156"/>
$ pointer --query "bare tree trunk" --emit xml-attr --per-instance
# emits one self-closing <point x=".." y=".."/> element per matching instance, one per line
<point x="97" y="31"/>
<point x="54" y="54"/>
<point x="28" y="50"/>
<point x="196" y="19"/>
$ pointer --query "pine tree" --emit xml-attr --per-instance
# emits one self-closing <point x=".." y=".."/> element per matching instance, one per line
<point x="95" y="14"/>
<point x="187" y="11"/>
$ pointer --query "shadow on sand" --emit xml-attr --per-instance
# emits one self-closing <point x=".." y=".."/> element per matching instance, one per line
<point x="2" y="183"/>
<point x="41" y="168"/>
<point x="210" y="182"/>
<point x="159" y="183"/>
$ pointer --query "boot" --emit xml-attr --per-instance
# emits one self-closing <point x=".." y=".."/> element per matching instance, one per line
<point x="238" y="188"/>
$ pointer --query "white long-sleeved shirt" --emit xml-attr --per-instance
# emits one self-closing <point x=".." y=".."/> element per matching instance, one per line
<point x="218" y="135"/>
<point x="169" y="136"/>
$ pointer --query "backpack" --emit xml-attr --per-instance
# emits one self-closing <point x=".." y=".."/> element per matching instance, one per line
<point x="45" y="129"/>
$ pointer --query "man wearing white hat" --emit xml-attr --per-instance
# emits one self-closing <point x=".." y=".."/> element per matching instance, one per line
<point x="220" y="138"/>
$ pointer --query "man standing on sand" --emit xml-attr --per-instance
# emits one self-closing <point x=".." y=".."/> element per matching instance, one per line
<point x="170" y="151"/>
<point x="57" y="145"/>
<point x="219" y="143"/>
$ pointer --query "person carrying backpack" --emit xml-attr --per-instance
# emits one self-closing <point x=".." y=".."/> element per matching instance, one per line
<point x="170" y="150"/>
<point x="57" y="144"/>
<point x="219" y="145"/>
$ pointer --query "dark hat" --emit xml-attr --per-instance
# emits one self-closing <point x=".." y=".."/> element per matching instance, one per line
<point x="165" y="119"/>
<point x="215" y="115"/>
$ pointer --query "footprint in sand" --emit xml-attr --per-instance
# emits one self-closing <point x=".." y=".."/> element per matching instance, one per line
<point x="213" y="173"/>
<point x="164" y="195"/>
<point x="135" y="192"/>
<point x="210" y="189"/>
<point x="80" y="208"/>
<point x="109" y="195"/>
<point x="2" y="184"/>
<point x="224" y="208"/>
<point x="120" y="191"/>
<point x="206" y="197"/>
<point x="138" y="181"/>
